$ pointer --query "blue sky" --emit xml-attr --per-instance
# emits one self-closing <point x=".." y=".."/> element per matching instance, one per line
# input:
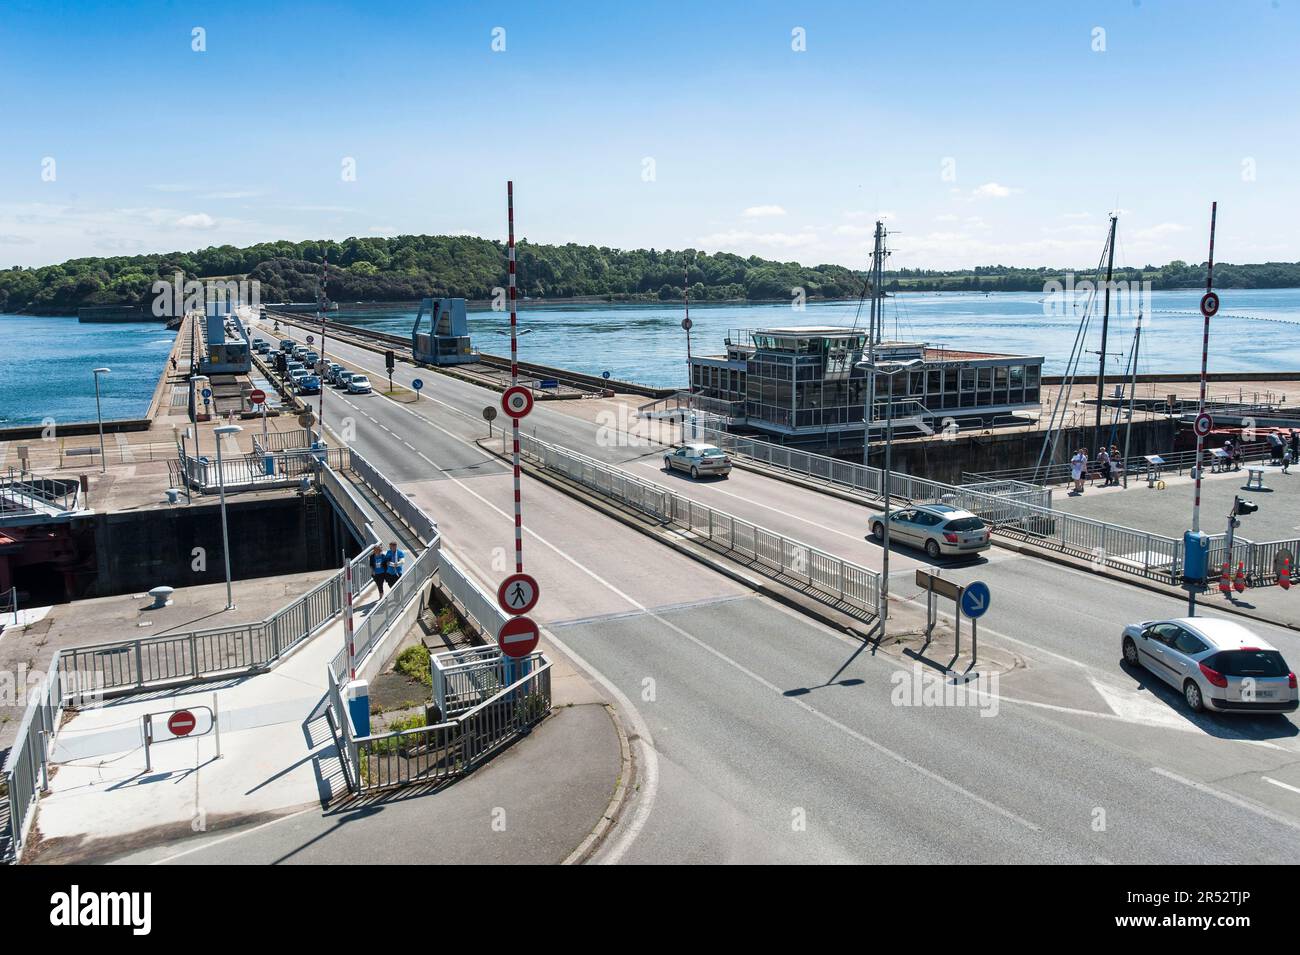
<point x="756" y="147"/>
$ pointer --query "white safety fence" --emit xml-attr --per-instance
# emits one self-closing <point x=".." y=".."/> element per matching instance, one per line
<point x="829" y="577"/>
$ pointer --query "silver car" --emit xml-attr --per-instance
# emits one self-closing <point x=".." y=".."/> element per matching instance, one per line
<point x="698" y="460"/>
<point x="1215" y="664"/>
<point x="939" y="528"/>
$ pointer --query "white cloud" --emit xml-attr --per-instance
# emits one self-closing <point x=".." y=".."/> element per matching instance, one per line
<point x="738" y="238"/>
<point x="197" y="220"/>
<point x="763" y="212"/>
<point x="992" y="190"/>
<point x="1156" y="232"/>
<point x="235" y="194"/>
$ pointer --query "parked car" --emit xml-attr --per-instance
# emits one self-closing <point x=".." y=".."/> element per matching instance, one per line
<point x="358" y="385"/>
<point x="938" y="528"/>
<point x="286" y="344"/>
<point x="1216" y="664"/>
<point x="698" y="459"/>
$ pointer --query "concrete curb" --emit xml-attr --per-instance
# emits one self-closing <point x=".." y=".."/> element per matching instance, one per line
<point x="782" y="594"/>
<point x="622" y="790"/>
<point x="1028" y="550"/>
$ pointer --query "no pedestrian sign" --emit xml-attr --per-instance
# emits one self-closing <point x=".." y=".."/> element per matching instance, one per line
<point x="518" y="594"/>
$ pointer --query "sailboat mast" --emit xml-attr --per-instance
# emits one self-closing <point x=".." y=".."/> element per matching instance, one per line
<point x="1105" y="323"/>
<point x="869" y="407"/>
<point x="1132" y="393"/>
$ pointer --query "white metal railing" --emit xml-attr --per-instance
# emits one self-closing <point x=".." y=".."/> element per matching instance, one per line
<point x="831" y="578"/>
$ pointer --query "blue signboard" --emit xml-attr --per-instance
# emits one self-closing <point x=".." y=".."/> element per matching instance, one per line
<point x="975" y="599"/>
<point x="207" y="392"/>
<point x="548" y="383"/>
<point x="417" y="384"/>
<point x="605" y="375"/>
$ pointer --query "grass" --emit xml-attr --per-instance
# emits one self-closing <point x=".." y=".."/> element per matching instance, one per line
<point x="414" y="663"/>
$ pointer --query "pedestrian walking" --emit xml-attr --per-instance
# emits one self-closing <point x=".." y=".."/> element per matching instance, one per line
<point x="1116" y="464"/>
<point x="1078" y="467"/>
<point x="1103" y="464"/>
<point x="393" y="563"/>
<point x="379" y="568"/>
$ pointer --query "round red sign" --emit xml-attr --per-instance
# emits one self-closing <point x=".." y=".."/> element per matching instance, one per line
<point x="257" y="396"/>
<point x="518" y="637"/>
<point x="517" y="594"/>
<point x="517" y="401"/>
<point x="181" y="723"/>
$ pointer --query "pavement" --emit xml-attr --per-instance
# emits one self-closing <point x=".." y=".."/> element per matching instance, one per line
<point x="759" y="734"/>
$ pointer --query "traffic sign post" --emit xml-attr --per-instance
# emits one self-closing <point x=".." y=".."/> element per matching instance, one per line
<point x="258" y="397"/>
<point x="517" y="401"/>
<point x="972" y="602"/>
<point x="518" y="594"/>
<point x="417" y="384"/>
<point x="180" y="724"/>
<point x="489" y="415"/>
<point x="1195" y="544"/>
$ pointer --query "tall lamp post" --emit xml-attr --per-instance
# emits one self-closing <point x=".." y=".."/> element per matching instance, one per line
<point x="889" y="369"/>
<point x="103" y="463"/>
<point x="220" y="433"/>
<point x="197" y="383"/>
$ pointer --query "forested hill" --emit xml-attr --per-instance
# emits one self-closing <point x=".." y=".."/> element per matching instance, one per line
<point x="406" y="268"/>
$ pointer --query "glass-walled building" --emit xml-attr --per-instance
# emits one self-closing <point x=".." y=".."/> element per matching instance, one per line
<point x="792" y="382"/>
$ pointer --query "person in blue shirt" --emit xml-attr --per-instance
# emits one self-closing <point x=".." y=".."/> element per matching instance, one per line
<point x="378" y="568"/>
<point x="393" y="563"/>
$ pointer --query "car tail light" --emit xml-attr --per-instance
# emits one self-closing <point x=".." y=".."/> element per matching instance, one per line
<point x="950" y="537"/>
<point x="1214" y="676"/>
<point x="1290" y="680"/>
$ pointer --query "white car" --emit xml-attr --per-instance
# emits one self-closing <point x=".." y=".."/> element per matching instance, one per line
<point x="358" y="385"/>
<point x="1216" y="664"/>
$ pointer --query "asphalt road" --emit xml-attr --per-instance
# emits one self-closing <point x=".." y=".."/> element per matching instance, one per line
<point x="1083" y="761"/>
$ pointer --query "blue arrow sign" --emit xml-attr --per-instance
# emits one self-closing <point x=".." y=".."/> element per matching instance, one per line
<point x="207" y="392"/>
<point x="605" y="375"/>
<point x="417" y="384"/>
<point x="975" y="599"/>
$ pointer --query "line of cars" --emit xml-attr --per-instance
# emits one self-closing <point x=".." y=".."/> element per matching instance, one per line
<point x="304" y="371"/>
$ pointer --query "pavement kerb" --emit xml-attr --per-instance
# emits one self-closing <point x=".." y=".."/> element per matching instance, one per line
<point x="1028" y="550"/>
<point x="787" y="596"/>
<point x="596" y="838"/>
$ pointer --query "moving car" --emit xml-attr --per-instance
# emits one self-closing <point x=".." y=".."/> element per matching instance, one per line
<point x="331" y="375"/>
<point x="343" y="377"/>
<point x="308" y="385"/>
<point x="941" y="529"/>
<point x="358" y="385"/>
<point x="698" y="459"/>
<point x="1215" y="664"/>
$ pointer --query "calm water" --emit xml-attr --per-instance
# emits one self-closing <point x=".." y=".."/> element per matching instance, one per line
<point x="645" y="343"/>
<point x="46" y="363"/>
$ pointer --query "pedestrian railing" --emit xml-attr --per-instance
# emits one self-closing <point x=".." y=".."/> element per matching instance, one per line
<point x="1175" y="462"/>
<point x="826" y="576"/>
<point x="447" y="750"/>
<point x="405" y="508"/>
<point x="23" y="494"/>
<point x="173" y="659"/>
<point x="251" y="471"/>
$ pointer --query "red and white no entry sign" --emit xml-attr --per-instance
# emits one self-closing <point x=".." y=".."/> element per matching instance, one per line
<point x="518" y="637"/>
<point x="517" y="401"/>
<point x="257" y="396"/>
<point x="1204" y="424"/>
<point x="181" y="723"/>
<point x="518" y="594"/>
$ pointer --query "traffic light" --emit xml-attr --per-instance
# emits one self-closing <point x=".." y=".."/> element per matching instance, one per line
<point x="390" y="360"/>
<point x="1241" y="507"/>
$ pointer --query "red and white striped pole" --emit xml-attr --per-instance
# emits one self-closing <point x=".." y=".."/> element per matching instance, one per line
<point x="514" y="375"/>
<point x="348" y="629"/>
<point x="1205" y="357"/>
<point x="324" y="300"/>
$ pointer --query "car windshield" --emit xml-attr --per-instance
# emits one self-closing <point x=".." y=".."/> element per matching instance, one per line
<point x="1257" y="663"/>
<point x="361" y="379"/>
<point x="711" y="453"/>
<point x="965" y="524"/>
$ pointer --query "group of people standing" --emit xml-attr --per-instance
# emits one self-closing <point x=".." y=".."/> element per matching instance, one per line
<point x="1110" y="465"/>
<point x="386" y="565"/>
<point x="1284" y="450"/>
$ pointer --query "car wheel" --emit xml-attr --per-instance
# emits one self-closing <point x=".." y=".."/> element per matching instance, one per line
<point x="932" y="548"/>
<point x="1192" y="694"/>
<point x="695" y="473"/>
<point x="1130" y="652"/>
<point x="878" y="533"/>
<point x="668" y="464"/>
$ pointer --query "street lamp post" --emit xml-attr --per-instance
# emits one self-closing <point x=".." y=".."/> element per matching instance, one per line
<point x="221" y="484"/>
<point x="889" y="369"/>
<point x="103" y="463"/>
<point x="197" y="382"/>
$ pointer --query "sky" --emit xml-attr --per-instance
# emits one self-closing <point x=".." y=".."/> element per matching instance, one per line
<point x="983" y="133"/>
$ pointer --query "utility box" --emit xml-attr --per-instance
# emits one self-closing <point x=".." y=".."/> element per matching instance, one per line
<point x="358" y="699"/>
<point x="1196" y="555"/>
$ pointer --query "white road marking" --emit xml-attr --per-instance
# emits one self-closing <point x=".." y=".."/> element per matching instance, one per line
<point x="1228" y="798"/>
<point x="1278" y="782"/>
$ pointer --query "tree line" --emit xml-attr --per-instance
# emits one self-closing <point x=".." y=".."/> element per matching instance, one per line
<point x="406" y="268"/>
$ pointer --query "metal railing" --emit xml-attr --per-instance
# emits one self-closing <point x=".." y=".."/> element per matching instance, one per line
<point x="431" y="754"/>
<point x="252" y="471"/>
<point x="296" y="439"/>
<point x="831" y="578"/>
<point x="1009" y="509"/>
<point x="22" y="494"/>
<point x="405" y="508"/>
<point x="1174" y="462"/>
<point x="477" y="605"/>
<point x="387" y="610"/>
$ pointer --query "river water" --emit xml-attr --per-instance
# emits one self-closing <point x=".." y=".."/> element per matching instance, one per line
<point x="45" y="363"/>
